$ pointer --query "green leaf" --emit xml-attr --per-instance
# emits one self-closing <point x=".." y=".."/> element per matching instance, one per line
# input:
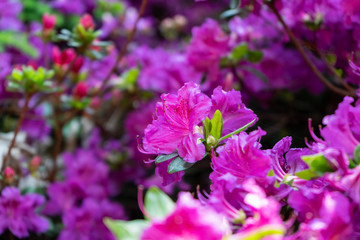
<point x="178" y="164"/>
<point x="317" y="163"/>
<point x="19" y="41"/>
<point x="237" y="131"/>
<point x="157" y="204"/>
<point x="230" y="13"/>
<point x="207" y="127"/>
<point x="260" y="233"/>
<point x="163" y="158"/>
<point x="256" y="72"/>
<point x="123" y="230"/>
<point x="217" y="125"/>
<point x="235" y="4"/>
<point x="357" y="154"/>
<point x="254" y="56"/>
<point x="306" y="174"/>
<point x="239" y="52"/>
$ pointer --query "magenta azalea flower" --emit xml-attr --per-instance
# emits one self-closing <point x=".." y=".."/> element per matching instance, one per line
<point x="190" y="220"/>
<point x="242" y="157"/>
<point x="175" y="122"/>
<point x="208" y="45"/>
<point x="234" y="113"/>
<point x="17" y="213"/>
<point x="323" y="215"/>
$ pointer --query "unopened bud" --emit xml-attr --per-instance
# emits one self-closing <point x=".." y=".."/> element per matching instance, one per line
<point x="9" y="175"/>
<point x="87" y="22"/>
<point x="211" y="140"/>
<point x="35" y="163"/>
<point x="180" y="21"/>
<point x="80" y="90"/>
<point x="95" y="102"/>
<point x="48" y="22"/>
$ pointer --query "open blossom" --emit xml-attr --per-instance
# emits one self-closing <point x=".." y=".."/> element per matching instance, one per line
<point x="189" y="220"/>
<point x="233" y="110"/>
<point x="174" y="124"/>
<point x="342" y="129"/>
<point x="208" y="44"/>
<point x="322" y="215"/>
<point x="242" y="157"/>
<point x="17" y="213"/>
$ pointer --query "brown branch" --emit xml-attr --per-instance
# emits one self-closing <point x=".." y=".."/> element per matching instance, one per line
<point x="305" y="57"/>
<point x="17" y="129"/>
<point x="123" y="49"/>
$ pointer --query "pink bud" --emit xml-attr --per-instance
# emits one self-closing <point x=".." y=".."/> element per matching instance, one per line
<point x="63" y="58"/>
<point x="48" y="22"/>
<point x="87" y="22"/>
<point x="77" y="65"/>
<point x="9" y="175"/>
<point x="80" y="90"/>
<point x="35" y="163"/>
<point x="95" y="102"/>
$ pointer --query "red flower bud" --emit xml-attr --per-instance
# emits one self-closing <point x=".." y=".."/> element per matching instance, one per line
<point x="63" y="58"/>
<point x="87" y="22"/>
<point x="35" y="163"/>
<point x="77" y="65"/>
<point x="80" y="90"/>
<point x="48" y="22"/>
<point x="95" y="102"/>
<point x="9" y="175"/>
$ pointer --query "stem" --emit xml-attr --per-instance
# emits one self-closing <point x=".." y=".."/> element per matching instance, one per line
<point x="305" y="57"/>
<point x="57" y="148"/>
<point x="124" y="47"/>
<point x="21" y="119"/>
<point x="68" y="69"/>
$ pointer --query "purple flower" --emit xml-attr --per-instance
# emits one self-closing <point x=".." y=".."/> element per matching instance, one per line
<point x="9" y="11"/>
<point x="208" y="44"/>
<point x="17" y="213"/>
<point x="342" y="129"/>
<point x="242" y="157"/>
<point x="323" y="215"/>
<point x="173" y="127"/>
<point x="233" y="110"/>
<point x="189" y="220"/>
<point x="86" y="222"/>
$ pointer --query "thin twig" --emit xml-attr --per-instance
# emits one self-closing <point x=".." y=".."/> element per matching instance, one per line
<point x="305" y="57"/>
<point x="18" y="126"/>
<point x="124" y="48"/>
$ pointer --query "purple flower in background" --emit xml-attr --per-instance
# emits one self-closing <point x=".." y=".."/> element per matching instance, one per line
<point x="242" y="157"/>
<point x="189" y="220"/>
<point x="86" y="222"/>
<point x="342" y="129"/>
<point x="74" y="6"/>
<point x="208" y="44"/>
<point x="9" y="11"/>
<point x="173" y="127"/>
<point x="17" y="213"/>
<point x="233" y="110"/>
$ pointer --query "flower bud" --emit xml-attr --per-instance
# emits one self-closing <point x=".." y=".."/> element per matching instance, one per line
<point x="48" y="22"/>
<point x="95" y="102"/>
<point x="9" y="175"/>
<point x="77" y="65"/>
<point x="87" y="22"/>
<point x="35" y="163"/>
<point x="63" y="58"/>
<point x="211" y="140"/>
<point x="80" y="90"/>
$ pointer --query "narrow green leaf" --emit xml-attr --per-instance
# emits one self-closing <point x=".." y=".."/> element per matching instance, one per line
<point x="163" y="158"/>
<point x="157" y="204"/>
<point x="254" y="56"/>
<point x="235" y="4"/>
<point x="237" y="131"/>
<point x="317" y="163"/>
<point x="217" y="125"/>
<point x="306" y="174"/>
<point x="123" y="230"/>
<point x="239" y="51"/>
<point x="178" y="164"/>
<point x="262" y="232"/>
<point x="207" y="127"/>
<point x="257" y="73"/>
<point x="357" y="154"/>
<point x="230" y="13"/>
